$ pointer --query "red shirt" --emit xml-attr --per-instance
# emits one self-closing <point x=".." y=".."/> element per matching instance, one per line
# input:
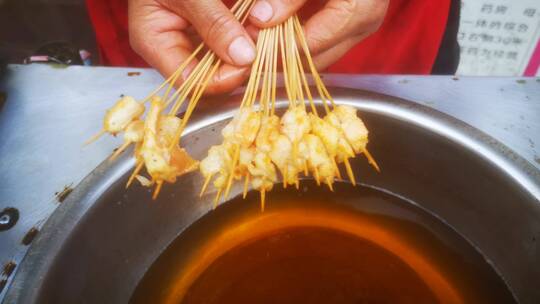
<point x="407" y="42"/>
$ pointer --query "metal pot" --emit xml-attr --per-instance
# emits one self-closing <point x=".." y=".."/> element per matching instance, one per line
<point x="98" y="245"/>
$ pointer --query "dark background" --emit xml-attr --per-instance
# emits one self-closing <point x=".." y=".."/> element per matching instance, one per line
<point x="27" y="25"/>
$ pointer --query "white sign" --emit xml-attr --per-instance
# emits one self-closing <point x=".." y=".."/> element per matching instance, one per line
<point x="498" y="37"/>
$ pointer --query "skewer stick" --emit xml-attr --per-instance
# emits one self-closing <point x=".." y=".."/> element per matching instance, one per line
<point x="297" y="65"/>
<point x="216" y="199"/>
<point x="158" y="190"/>
<point x="284" y="63"/>
<point x="231" y="174"/>
<point x="336" y="168"/>
<point x="305" y="83"/>
<point x="317" y="177"/>
<point x="371" y="160"/>
<point x="254" y="71"/>
<point x="295" y="154"/>
<point x="200" y="71"/>
<point x="271" y="70"/>
<point x="185" y="88"/>
<point x="320" y="85"/>
<point x="329" y="183"/>
<point x="95" y="137"/>
<point x="120" y="149"/>
<point x="274" y="70"/>
<point x="174" y="75"/>
<point x="138" y="168"/>
<point x="205" y="185"/>
<point x="179" y="71"/>
<point x="246" y="186"/>
<point x="349" y="171"/>
<point x="290" y="67"/>
<point x="264" y="98"/>
<point x="192" y="104"/>
<point x="263" y="199"/>
<point x="285" y="176"/>
<point x="238" y="9"/>
<point x="253" y="83"/>
<point x="264" y="48"/>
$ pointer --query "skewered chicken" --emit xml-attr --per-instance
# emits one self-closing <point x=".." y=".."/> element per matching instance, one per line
<point x="256" y="142"/>
<point x="243" y="129"/>
<point x="263" y="174"/>
<point x="122" y="114"/>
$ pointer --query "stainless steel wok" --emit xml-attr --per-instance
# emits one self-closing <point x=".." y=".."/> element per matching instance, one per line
<point x="98" y="245"/>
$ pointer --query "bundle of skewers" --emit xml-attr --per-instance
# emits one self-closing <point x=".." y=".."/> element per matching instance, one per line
<point x="257" y="143"/>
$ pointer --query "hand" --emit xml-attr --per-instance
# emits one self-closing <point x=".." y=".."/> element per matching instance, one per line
<point x="158" y="32"/>
<point x="333" y="30"/>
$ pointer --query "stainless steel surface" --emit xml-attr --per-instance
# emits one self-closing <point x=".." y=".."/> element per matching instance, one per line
<point x="103" y="238"/>
<point x="49" y="112"/>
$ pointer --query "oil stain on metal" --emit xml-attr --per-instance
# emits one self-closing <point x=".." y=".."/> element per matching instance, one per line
<point x="3" y="98"/>
<point x="29" y="236"/>
<point x="3" y="283"/>
<point x="62" y="195"/>
<point x="8" y="268"/>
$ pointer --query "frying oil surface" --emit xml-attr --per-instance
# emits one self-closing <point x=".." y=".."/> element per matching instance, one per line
<point x="356" y="245"/>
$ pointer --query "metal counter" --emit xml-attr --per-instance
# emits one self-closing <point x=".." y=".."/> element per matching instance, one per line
<point x="48" y="113"/>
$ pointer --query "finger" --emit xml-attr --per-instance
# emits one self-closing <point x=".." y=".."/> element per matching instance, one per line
<point x="227" y="78"/>
<point x="218" y="27"/>
<point x="268" y="13"/>
<point x="340" y="19"/>
<point x="253" y="32"/>
<point x="156" y="35"/>
<point x="325" y="59"/>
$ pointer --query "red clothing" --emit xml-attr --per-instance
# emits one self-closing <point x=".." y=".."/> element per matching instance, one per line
<point x="407" y="42"/>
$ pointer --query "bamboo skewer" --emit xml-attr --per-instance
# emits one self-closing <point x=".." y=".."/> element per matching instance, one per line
<point x="285" y="44"/>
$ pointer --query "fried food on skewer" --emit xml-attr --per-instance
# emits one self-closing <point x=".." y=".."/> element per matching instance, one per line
<point x="319" y="162"/>
<point x="263" y="175"/>
<point x="118" y="117"/>
<point x="281" y="156"/>
<point x="355" y="131"/>
<point x="268" y="133"/>
<point x="158" y="150"/>
<point x="256" y="142"/>
<point x="299" y="141"/>
<point x="133" y="134"/>
<point x="162" y="164"/>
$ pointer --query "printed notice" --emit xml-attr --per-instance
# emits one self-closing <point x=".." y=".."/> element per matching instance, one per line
<point x="498" y="37"/>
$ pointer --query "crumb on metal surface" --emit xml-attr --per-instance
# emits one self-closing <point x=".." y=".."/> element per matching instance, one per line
<point x="62" y="195"/>
<point x="29" y="236"/>
<point x="8" y="268"/>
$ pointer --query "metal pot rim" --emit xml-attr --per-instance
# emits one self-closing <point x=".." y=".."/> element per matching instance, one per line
<point x="58" y="228"/>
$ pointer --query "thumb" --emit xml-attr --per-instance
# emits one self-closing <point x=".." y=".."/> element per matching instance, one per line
<point x="219" y="28"/>
<point x="268" y="13"/>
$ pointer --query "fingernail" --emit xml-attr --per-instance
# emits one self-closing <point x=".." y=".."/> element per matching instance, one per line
<point x="263" y="11"/>
<point x="241" y="51"/>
